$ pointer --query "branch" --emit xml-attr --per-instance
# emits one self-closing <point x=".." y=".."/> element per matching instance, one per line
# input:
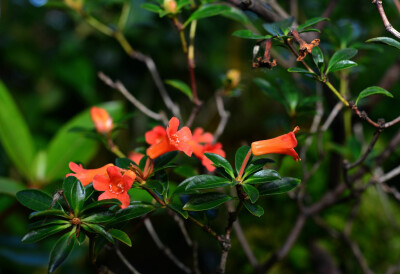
<point x="385" y="21"/>
<point x="125" y="261"/>
<point x="163" y="248"/>
<point x="224" y="117"/>
<point x="258" y="8"/>
<point x="121" y="88"/>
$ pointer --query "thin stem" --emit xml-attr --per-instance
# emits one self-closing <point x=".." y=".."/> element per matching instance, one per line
<point x="244" y="164"/>
<point x="385" y="21"/>
<point x="123" y="19"/>
<point x="206" y="228"/>
<point x="223" y="114"/>
<point x="161" y="202"/>
<point x="125" y="261"/>
<point x="338" y="95"/>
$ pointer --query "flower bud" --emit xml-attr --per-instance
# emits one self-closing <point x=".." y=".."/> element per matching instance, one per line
<point x="101" y="119"/>
<point x="170" y="6"/>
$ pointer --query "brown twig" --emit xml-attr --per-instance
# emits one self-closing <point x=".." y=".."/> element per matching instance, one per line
<point x="258" y="8"/>
<point x="125" y="261"/>
<point x="223" y="114"/>
<point x="385" y="21"/>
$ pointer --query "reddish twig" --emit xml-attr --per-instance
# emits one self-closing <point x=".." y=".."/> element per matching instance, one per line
<point x="385" y="21"/>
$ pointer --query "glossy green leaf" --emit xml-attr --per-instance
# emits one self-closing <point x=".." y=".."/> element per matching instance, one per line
<point x="255" y="210"/>
<point x="300" y="70"/>
<point x="373" y="91"/>
<point x="36" y="199"/>
<point x="74" y="192"/>
<point x="50" y="212"/>
<point x="240" y="155"/>
<point x="124" y="163"/>
<point x="164" y="160"/>
<point x="155" y="185"/>
<point x="80" y="149"/>
<point x="311" y="22"/>
<point x="256" y="166"/>
<point x="344" y="64"/>
<point x="252" y="192"/>
<point x="41" y="233"/>
<point x="207" y="11"/>
<point x="236" y="14"/>
<point x="200" y="182"/>
<point x="181" y="86"/>
<point x="10" y="187"/>
<point x="219" y="161"/>
<point x="46" y="222"/>
<point x="99" y="218"/>
<point x="263" y="176"/>
<point x="152" y="7"/>
<point x="61" y="251"/>
<point x="248" y="34"/>
<point x="89" y="190"/>
<point x="121" y="236"/>
<point x="81" y="238"/>
<point x="279" y="28"/>
<point x="206" y="201"/>
<point x="99" y="230"/>
<point x="340" y="55"/>
<point x="385" y="40"/>
<point x="318" y="56"/>
<point x="102" y="204"/>
<point x="177" y="207"/>
<point x="284" y="185"/>
<point x="133" y="211"/>
<point x="15" y="136"/>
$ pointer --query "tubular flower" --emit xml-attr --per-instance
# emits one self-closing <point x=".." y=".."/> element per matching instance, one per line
<point x="283" y="144"/>
<point x="209" y="148"/>
<point x="101" y="119"/>
<point x="115" y="184"/>
<point x="135" y="157"/>
<point x="172" y="139"/>
<point x="86" y="175"/>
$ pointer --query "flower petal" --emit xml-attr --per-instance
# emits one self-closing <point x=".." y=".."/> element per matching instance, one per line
<point x="155" y="135"/>
<point x="172" y="126"/>
<point x="125" y="200"/>
<point x="160" y="148"/>
<point x="184" y="135"/>
<point x="101" y="182"/>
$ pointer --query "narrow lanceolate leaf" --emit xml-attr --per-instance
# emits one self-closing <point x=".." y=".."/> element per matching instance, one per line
<point x="74" y="192"/>
<point x="340" y="55"/>
<point x="248" y="34"/>
<point x="103" y="204"/>
<point x="263" y="176"/>
<point x="99" y="218"/>
<point x="164" y="160"/>
<point x="15" y="136"/>
<point x="256" y="166"/>
<point x="206" y="201"/>
<point x="256" y="210"/>
<point x="99" y="230"/>
<point x="200" y="182"/>
<point x="311" y="22"/>
<point x="206" y="11"/>
<point x="236" y="14"/>
<point x="344" y="64"/>
<point x="252" y="192"/>
<point x="81" y="238"/>
<point x="181" y="86"/>
<point x="151" y="7"/>
<point x="240" y="155"/>
<point x="178" y="209"/>
<point x="121" y="236"/>
<point x="373" y="91"/>
<point x="50" y="212"/>
<point x="284" y="185"/>
<point x="219" y="161"/>
<point x="300" y="70"/>
<point x="36" y="199"/>
<point x="41" y="233"/>
<point x="46" y="222"/>
<point x="124" y="163"/>
<point x="10" y="187"/>
<point x="61" y="251"/>
<point x="318" y="56"/>
<point x="385" y="40"/>
<point x="133" y="211"/>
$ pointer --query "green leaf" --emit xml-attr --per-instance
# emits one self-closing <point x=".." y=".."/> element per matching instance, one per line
<point x="240" y="155"/>
<point x="36" y="199"/>
<point x="372" y="91"/>
<point x="311" y="22"/>
<point x="247" y="34"/>
<point x="255" y="210"/>
<point x="14" y="134"/>
<point x="99" y="218"/>
<point x="50" y="212"/>
<point x="133" y="211"/>
<point x="206" y="201"/>
<point x="81" y="238"/>
<point x="80" y="149"/>
<point x="263" y="176"/>
<point x="89" y="190"/>
<point x="46" y="222"/>
<point x="100" y="204"/>
<point x="200" y="182"/>
<point x="177" y="207"/>
<point x="41" y="233"/>
<point x="121" y="236"/>
<point x="61" y="251"/>
<point x="256" y="166"/>
<point x="252" y="192"/>
<point x="284" y="185"/>
<point x="74" y="193"/>
<point x="207" y="11"/>
<point x="340" y="55"/>
<point x="318" y="56"/>
<point x="181" y="86"/>
<point x="99" y="230"/>
<point x="10" y="187"/>
<point x="219" y="161"/>
<point x="385" y="40"/>
<point x="124" y="163"/>
<point x="151" y="7"/>
<point x="300" y="70"/>
<point x="236" y="14"/>
<point x="279" y="28"/>
<point x="163" y="161"/>
<point x="155" y="185"/>
<point x="344" y="64"/>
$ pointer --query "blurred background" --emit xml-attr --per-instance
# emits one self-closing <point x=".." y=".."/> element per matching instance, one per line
<point x="49" y="60"/>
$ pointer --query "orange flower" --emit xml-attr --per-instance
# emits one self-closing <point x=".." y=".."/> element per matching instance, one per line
<point x="171" y="140"/>
<point x="86" y="175"/>
<point x="283" y="144"/>
<point x="115" y="184"/>
<point x="209" y="148"/>
<point x="135" y="157"/>
<point x="101" y="119"/>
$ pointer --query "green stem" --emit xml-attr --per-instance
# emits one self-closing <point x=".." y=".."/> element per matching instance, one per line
<point x="336" y="92"/>
<point x="344" y="84"/>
